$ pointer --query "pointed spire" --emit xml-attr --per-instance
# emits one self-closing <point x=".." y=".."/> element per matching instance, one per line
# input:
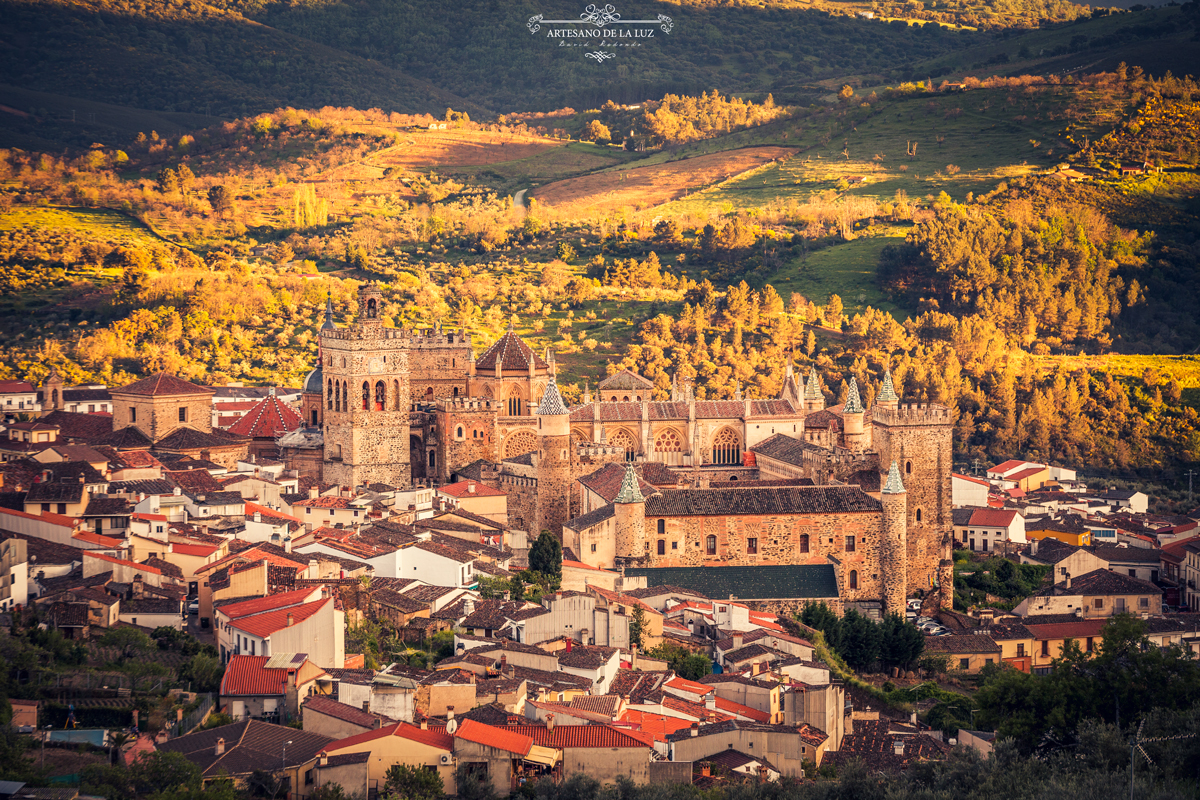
<point x="552" y="402"/>
<point x="893" y="485"/>
<point x="510" y="324"/>
<point x="737" y="391"/>
<point x="328" y="326"/>
<point x="853" y="403"/>
<point x="887" y="392"/>
<point x="630" y="492"/>
<point x="812" y="389"/>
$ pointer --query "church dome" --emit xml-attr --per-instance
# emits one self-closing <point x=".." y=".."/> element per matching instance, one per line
<point x="314" y="382"/>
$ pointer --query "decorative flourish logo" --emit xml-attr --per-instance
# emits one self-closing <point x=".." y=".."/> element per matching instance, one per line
<point x="605" y="20"/>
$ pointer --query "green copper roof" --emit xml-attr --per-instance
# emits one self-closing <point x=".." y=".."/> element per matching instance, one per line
<point x="812" y="389"/>
<point x="774" y="582"/>
<point x="887" y="392"/>
<point x="629" y="492"/>
<point x="853" y="403"/>
<point x="893" y="485"/>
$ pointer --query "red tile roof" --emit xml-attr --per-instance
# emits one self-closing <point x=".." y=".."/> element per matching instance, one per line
<point x="201" y="550"/>
<point x="45" y="516"/>
<point x="1068" y="630"/>
<point x="253" y="554"/>
<point x="993" y="517"/>
<point x="564" y="736"/>
<point x="269" y="417"/>
<point x="499" y="738"/>
<point x="657" y="726"/>
<point x="263" y="625"/>
<point x="253" y="508"/>
<point x="1008" y="465"/>
<point x="261" y="604"/>
<point x="737" y="709"/>
<point x="463" y="489"/>
<point x="96" y="538"/>
<point x="324" y="502"/>
<point x="1025" y="473"/>
<point x="245" y="675"/>
<point x="980" y="481"/>
<point x="690" y="686"/>
<point x="511" y="353"/>
<point x="162" y="384"/>
<point x="433" y="737"/>
<point x="132" y="564"/>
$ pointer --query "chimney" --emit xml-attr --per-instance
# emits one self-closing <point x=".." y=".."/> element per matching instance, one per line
<point x="450" y="711"/>
<point x="424" y="723"/>
<point x="503" y="662"/>
<point x="898" y="746"/>
<point x="1068" y="581"/>
<point x="706" y="769"/>
<point x="550" y="722"/>
<point x="710" y="701"/>
<point x="258" y="516"/>
<point x="290" y="620"/>
<point x="737" y="641"/>
<point x="220" y="748"/>
<point x="1033" y="547"/>
<point x="366" y="706"/>
<point x="470" y="487"/>
<point x="469" y="606"/>
<point x="324" y="762"/>
<point x="312" y="493"/>
<point x="695" y="729"/>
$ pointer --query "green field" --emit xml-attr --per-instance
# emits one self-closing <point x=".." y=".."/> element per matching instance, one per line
<point x="93" y="223"/>
<point x="847" y="270"/>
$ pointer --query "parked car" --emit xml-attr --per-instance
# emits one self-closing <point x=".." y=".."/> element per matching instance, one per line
<point x="194" y="605"/>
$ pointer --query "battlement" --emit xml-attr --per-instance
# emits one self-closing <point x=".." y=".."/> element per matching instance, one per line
<point x="456" y="404"/>
<point x="913" y="414"/>
<point x="364" y="332"/>
<point x="420" y="340"/>
<point x="591" y="449"/>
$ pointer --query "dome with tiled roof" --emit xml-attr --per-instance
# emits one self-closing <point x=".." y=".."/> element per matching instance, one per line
<point x="510" y="353"/>
<point x="269" y="417"/>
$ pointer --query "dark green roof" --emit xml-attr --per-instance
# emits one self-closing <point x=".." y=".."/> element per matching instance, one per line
<point x="747" y="583"/>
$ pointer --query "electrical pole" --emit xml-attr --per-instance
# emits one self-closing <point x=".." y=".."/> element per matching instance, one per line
<point x="1190" y="473"/>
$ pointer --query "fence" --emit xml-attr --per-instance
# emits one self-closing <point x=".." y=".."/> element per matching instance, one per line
<point x="192" y="720"/>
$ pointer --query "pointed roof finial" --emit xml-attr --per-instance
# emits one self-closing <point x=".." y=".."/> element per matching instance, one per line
<point x="812" y="389"/>
<point x="328" y="326"/>
<point x="510" y="324"/>
<point x="853" y="402"/>
<point x="552" y="402"/>
<point x="630" y="492"/>
<point x="893" y="485"/>
<point x="887" y="392"/>
<point x="737" y="390"/>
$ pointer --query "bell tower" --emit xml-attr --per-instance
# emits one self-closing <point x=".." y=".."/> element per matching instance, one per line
<point x="366" y="399"/>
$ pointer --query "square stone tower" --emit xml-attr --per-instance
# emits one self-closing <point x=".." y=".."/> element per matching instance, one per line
<point x="366" y="399"/>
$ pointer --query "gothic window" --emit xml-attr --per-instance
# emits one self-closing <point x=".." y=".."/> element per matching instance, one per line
<point x="366" y="396"/>
<point x="459" y="433"/>
<point x="908" y="468"/>
<point x="514" y="402"/>
<point x="918" y="515"/>
<point x="345" y="397"/>
<point x="804" y="543"/>
<point x="380" y="395"/>
<point x="396" y="394"/>
<point x="625" y="399"/>
<point x="668" y="442"/>
<point x="520" y="443"/>
<point x="711" y="541"/>
<point x="624" y="440"/>
<point x="727" y="448"/>
<point x="330" y="396"/>
<point x="853" y="579"/>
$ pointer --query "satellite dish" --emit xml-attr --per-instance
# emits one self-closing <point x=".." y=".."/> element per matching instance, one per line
<point x="451" y="726"/>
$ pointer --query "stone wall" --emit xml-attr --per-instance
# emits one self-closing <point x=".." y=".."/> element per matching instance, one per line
<point x="477" y="420"/>
<point x="438" y="364"/>
<point x="522" y="501"/>
<point x="159" y="416"/>
<point x="554" y="481"/>
<point x="779" y="542"/>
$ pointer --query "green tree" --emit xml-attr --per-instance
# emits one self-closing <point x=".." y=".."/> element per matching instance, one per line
<point x="412" y="783"/>
<point x="596" y="131"/>
<point x="546" y="556"/>
<point x="203" y="672"/>
<point x="168" y="181"/>
<point x="163" y="771"/>
<point x="637" y="626"/>
<point x="221" y="200"/>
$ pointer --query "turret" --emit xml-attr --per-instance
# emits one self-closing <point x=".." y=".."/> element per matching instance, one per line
<point x="852" y="418"/>
<point x="370" y="304"/>
<point x="814" y="400"/>
<point x="791" y="391"/>
<point x="52" y="392"/>
<point x="629" y="507"/>
<point x="887" y="397"/>
<point x="554" y="460"/>
<point x="894" y="550"/>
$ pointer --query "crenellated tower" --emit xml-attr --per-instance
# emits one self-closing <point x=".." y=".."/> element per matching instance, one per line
<point x="366" y="399"/>
<point x="554" y="457"/>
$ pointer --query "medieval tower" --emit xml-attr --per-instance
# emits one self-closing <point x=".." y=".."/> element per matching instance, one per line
<point x="629" y="509"/>
<point x="554" y="457"/>
<point x="894" y="549"/>
<point x="918" y="438"/>
<point x="366" y="399"/>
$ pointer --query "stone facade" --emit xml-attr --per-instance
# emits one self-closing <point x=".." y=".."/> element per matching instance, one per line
<point x="466" y="432"/>
<point x="366" y="400"/>
<point x="157" y="416"/>
<point x="439" y="364"/>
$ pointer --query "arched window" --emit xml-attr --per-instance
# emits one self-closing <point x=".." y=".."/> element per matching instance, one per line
<point x="662" y="527"/>
<point x="343" y="362"/>
<point x="366" y="396"/>
<point x="345" y="397"/>
<point x="908" y="468"/>
<point x="711" y="543"/>
<point x="456" y="391"/>
<point x="459" y="432"/>
<point x="330" y="395"/>
<point x="428" y="393"/>
<point x="514" y="402"/>
<point x="918" y="515"/>
<point x="54" y="398"/>
<point x="432" y="458"/>
<point x="624" y="439"/>
<point x="625" y="399"/>
<point x="727" y="448"/>
<point x="662" y="547"/>
<point x="396" y="394"/>
<point x="372" y="308"/>
<point x="804" y="543"/>
<point x="853" y="579"/>
<point x="380" y="395"/>
<point x="668" y="442"/>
